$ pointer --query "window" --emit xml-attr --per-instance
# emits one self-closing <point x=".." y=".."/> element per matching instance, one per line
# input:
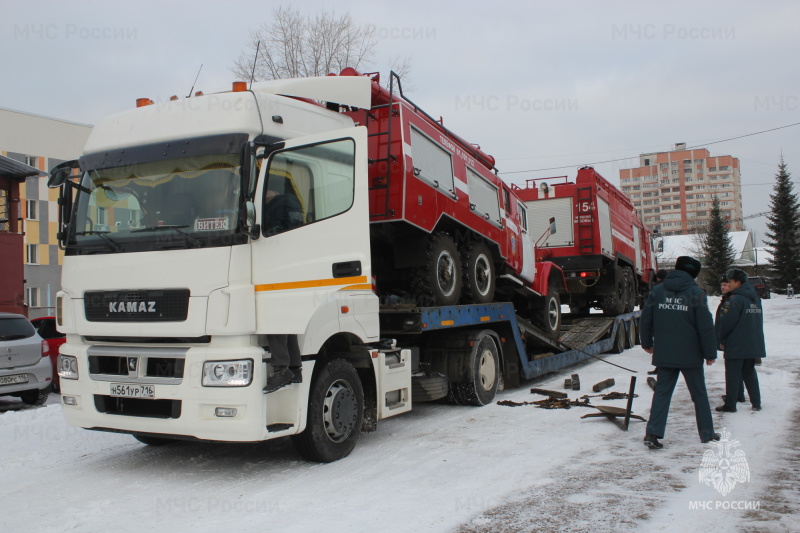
<point x="712" y="169"/>
<point x="507" y="201"/>
<point x="33" y="254"/>
<point x="432" y="163"/>
<point x="32" y="296"/>
<point x="308" y="184"/>
<point x="676" y="189"/>
<point x="523" y="216"/>
<point x="482" y="197"/>
<point x="724" y="168"/>
<point x="33" y="211"/>
<point x="31" y="160"/>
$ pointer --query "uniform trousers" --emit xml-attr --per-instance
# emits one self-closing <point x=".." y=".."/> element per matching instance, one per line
<point x="737" y="371"/>
<point x="285" y="352"/>
<point x="696" y="383"/>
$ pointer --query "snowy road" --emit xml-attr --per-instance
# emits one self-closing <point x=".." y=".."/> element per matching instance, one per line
<point x="440" y="468"/>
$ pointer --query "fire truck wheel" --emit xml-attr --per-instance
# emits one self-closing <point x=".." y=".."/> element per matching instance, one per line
<point x="152" y="441"/>
<point x="548" y="314"/>
<point x="479" y="273"/>
<point x="632" y="292"/>
<point x="439" y="281"/>
<point x="483" y="374"/>
<point x="335" y="413"/>
<point x="614" y="304"/>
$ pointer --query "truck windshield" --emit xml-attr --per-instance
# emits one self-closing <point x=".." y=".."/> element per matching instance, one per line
<point x="188" y="202"/>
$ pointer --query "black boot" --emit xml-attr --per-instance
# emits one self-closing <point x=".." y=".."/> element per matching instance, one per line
<point x="716" y="436"/>
<point x="297" y="372"/>
<point x="278" y="380"/>
<point x="726" y="409"/>
<point x="651" y="441"/>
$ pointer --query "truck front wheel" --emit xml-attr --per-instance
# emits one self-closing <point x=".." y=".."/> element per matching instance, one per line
<point x="548" y="314"/>
<point x="335" y="414"/>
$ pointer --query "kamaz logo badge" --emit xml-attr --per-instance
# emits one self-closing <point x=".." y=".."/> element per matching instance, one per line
<point x="131" y="307"/>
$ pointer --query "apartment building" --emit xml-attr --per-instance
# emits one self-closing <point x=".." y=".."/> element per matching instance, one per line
<point x="673" y="191"/>
<point x="40" y="142"/>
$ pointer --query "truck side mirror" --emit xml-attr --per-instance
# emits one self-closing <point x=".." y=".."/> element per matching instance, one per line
<point x="552" y="225"/>
<point x="61" y="173"/>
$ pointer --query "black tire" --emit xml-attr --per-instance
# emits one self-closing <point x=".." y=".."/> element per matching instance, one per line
<point x="153" y="441"/>
<point x="634" y="333"/>
<point x="613" y="304"/>
<point x="630" y="280"/>
<point x="482" y="376"/>
<point x="619" y="339"/>
<point x="429" y="387"/>
<point x="439" y="281"/>
<point x="478" y="273"/>
<point x="548" y="314"/>
<point x="36" y="396"/>
<point x="335" y="413"/>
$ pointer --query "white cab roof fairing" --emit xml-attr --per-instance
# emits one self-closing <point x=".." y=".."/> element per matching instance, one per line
<point x="353" y="91"/>
<point x="212" y="114"/>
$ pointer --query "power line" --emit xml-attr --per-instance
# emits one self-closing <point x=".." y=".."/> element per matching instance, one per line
<point x="631" y="157"/>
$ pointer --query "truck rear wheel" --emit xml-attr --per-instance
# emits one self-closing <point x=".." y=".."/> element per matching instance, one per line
<point x="439" y="281"/>
<point x="335" y="414"/>
<point x="632" y="291"/>
<point x="483" y="374"/>
<point x="479" y="273"/>
<point x="613" y="304"/>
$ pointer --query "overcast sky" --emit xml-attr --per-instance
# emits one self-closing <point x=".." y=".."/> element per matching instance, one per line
<point x="538" y="84"/>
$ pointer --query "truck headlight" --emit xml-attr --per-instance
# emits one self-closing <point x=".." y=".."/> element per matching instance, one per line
<point x="67" y="367"/>
<point x="228" y="373"/>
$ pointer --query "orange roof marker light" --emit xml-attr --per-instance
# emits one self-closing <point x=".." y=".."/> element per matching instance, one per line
<point x="141" y="102"/>
<point x="239" y="86"/>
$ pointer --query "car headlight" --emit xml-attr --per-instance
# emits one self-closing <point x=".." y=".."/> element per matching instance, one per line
<point x="67" y="367"/>
<point x="228" y="373"/>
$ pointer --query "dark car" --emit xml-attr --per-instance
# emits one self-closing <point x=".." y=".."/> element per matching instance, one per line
<point x="46" y="328"/>
<point x="25" y="369"/>
<point x="760" y="285"/>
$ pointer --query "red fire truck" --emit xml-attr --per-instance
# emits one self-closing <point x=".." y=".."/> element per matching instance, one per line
<point x="445" y="228"/>
<point x="601" y="244"/>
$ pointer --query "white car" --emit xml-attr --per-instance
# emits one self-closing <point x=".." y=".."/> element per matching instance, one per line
<point x="25" y="369"/>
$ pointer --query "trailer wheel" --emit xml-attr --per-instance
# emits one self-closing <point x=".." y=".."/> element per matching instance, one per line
<point x="335" y="414"/>
<point x="614" y="304"/>
<point x="439" y="281"/>
<point x="619" y="339"/>
<point x="633" y="334"/>
<point x="479" y="273"/>
<point x="483" y="374"/>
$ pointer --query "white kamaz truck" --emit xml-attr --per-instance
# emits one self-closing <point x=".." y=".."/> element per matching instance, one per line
<point x="174" y="274"/>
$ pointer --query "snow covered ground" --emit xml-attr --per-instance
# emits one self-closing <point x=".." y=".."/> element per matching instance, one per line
<point x="440" y="468"/>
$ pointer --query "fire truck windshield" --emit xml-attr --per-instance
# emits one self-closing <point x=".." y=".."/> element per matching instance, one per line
<point x="188" y="202"/>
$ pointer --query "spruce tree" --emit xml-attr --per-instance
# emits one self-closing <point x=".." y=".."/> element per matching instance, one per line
<point x="718" y="253"/>
<point x="783" y="224"/>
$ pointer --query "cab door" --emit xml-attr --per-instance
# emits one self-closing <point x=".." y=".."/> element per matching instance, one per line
<point x="313" y="256"/>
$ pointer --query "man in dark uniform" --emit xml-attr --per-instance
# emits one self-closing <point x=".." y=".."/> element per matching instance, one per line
<point x="282" y="212"/>
<point x="740" y="330"/>
<point x="678" y="330"/>
<point x="725" y="289"/>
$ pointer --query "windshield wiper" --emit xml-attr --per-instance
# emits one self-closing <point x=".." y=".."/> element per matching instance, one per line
<point x="191" y="240"/>
<point x="114" y="244"/>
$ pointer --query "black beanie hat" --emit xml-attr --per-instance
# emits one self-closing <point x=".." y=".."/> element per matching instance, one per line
<point x="736" y="274"/>
<point x="688" y="264"/>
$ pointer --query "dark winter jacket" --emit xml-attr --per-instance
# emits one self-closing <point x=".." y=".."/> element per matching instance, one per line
<point x="677" y="323"/>
<point x="740" y="324"/>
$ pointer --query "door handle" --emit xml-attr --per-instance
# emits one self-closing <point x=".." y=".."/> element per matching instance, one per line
<point x="347" y="269"/>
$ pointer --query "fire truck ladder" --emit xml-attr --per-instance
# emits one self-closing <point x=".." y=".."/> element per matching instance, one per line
<point x="585" y="225"/>
<point x="383" y="183"/>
